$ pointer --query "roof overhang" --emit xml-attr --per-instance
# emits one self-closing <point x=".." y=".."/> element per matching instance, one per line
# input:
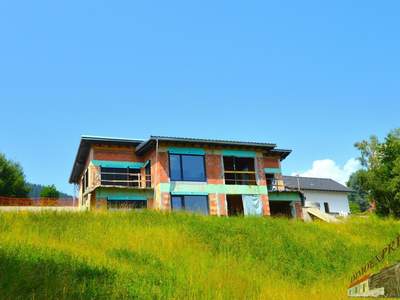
<point x="145" y="146"/>
<point x="84" y="148"/>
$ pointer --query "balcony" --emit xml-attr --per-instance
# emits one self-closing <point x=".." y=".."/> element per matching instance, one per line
<point x="124" y="177"/>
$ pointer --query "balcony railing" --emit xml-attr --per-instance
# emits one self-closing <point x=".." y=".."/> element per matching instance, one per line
<point x="125" y="179"/>
<point x="240" y="177"/>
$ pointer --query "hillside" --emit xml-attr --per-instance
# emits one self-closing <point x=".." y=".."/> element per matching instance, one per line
<point x="35" y="190"/>
<point x="150" y="255"/>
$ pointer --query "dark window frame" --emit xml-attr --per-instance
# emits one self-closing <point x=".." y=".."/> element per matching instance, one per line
<point x="127" y="172"/>
<point x="182" y="199"/>
<point x="236" y="172"/>
<point x="147" y="172"/>
<point x="181" y="167"/>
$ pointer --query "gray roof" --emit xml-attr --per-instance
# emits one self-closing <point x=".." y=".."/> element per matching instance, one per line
<point x="314" y="184"/>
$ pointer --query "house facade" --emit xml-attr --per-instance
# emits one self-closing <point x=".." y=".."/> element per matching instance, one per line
<point x="212" y="177"/>
<point x="325" y="194"/>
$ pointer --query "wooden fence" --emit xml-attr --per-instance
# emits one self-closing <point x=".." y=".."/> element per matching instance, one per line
<point x="40" y="202"/>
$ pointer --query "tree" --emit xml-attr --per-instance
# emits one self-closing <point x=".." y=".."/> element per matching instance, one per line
<point x="381" y="177"/>
<point x="12" y="179"/>
<point x="49" y="191"/>
<point x="359" y="197"/>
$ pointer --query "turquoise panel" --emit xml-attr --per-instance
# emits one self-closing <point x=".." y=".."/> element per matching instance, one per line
<point x="284" y="196"/>
<point x="272" y="170"/>
<point x="186" y="188"/>
<point x="135" y="197"/>
<point x="239" y="153"/>
<point x="178" y="150"/>
<point x="118" y="164"/>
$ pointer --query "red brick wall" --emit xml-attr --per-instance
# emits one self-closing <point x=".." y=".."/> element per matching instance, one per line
<point x="222" y="205"/>
<point x="271" y="162"/>
<point x="115" y="153"/>
<point x="166" y="201"/>
<point x="12" y="201"/>
<point x="261" y="180"/>
<point x="163" y="167"/>
<point x="214" y="169"/>
<point x="213" y="203"/>
<point x="265" y="202"/>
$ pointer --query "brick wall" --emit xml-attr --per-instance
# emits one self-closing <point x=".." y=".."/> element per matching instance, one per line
<point x="13" y="201"/>
<point x="265" y="203"/>
<point x="271" y="162"/>
<point x="115" y="153"/>
<point x="214" y="169"/>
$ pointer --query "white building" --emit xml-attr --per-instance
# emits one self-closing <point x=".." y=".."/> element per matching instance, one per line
<point x="326" y="194"/>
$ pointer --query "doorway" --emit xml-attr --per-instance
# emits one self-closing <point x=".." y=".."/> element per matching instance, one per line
<point x="280" y="209"/>
<point x="235" y="205"/>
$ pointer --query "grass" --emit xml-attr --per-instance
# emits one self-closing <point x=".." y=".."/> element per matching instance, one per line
<point x="151" y="255"/>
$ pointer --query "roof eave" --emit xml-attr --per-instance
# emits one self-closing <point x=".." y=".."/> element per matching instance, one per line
<point x="145" y="146"/>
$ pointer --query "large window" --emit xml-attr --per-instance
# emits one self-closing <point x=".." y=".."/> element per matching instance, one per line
<point x="239" y="170"/>
<point x="187" y="167"/>
<point x="197" y="204"/>
<point x="120" y="176"/>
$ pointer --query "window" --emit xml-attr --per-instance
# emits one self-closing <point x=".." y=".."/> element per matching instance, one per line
<point x="120" y="176"/>
<point x="270" y="182"/>
<point x="197" y="204"/>
<point x="326" y="206"/>
<point x="85" y="181"/>
<point x="126" y="204"/>
<point x="148" y="174"/>
<point x="187" y="167"/>
<point x="239" y="170"/>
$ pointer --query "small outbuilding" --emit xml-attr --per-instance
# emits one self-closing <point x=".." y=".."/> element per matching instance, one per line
<point x="327" y="195"/>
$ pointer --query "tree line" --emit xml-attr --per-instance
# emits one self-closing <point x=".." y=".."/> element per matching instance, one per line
<point x="13" y="183"/>
<point x="378" y="182"/>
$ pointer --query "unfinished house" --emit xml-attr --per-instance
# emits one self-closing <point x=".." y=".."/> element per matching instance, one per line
<point x="211" y="177"/>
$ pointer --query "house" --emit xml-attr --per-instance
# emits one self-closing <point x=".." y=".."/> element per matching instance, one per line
<point x="213" y="177"/>
<point x="326" y="194"/>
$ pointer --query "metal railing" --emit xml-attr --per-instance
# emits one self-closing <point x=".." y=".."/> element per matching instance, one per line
<point x="239" y="177"/>
<point x="125" y="179"/>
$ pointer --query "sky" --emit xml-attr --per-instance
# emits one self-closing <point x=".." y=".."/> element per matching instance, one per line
<point x="311" y="76"/>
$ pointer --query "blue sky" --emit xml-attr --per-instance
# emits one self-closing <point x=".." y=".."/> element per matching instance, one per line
<point x="311" y="76"/>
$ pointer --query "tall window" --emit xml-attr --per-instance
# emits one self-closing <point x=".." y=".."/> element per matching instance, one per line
<point x="197" y="204"/>
<point x="148" y="174"/>
<point x="270" y="182"/>
<point x="85" y="181"/>
<point x="185" y="167"/>
<point x="239" y="170"/>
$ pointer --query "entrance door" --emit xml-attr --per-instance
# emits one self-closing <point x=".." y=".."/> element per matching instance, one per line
<point x="235" y="205"/>
<point x="280" y="208"/>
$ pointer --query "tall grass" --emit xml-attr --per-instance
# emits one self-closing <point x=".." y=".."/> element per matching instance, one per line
<point x="152" y="255"/>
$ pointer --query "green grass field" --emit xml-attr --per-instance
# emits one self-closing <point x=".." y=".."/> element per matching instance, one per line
<point x="151" y="255"/>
